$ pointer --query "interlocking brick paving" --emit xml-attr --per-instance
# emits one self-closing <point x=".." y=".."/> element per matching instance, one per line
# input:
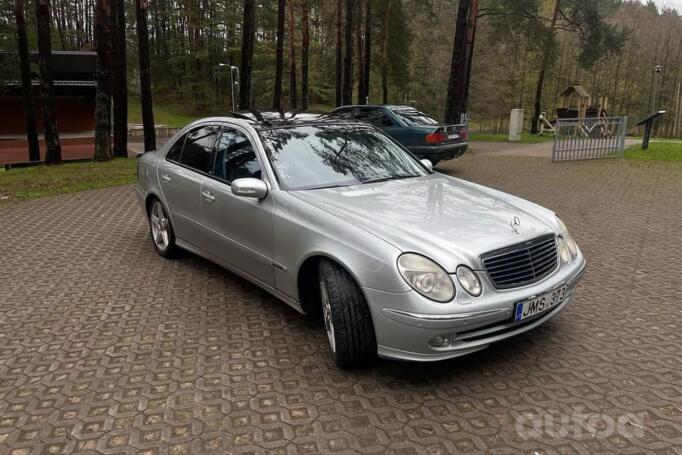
<point x="105" y="347"/>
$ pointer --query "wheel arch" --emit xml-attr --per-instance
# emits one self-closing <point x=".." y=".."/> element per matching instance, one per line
<point x="149" y="198"/>
<point x="307" y="281"/>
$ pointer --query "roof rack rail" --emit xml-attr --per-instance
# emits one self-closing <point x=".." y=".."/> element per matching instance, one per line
<point x="259" y="117"/>
<point x="239" y="115"/>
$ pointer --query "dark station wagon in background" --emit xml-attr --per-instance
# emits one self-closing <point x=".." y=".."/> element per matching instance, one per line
<point x="421" y="134"/>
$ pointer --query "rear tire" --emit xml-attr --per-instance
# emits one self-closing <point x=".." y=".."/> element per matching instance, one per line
<point x="161" y="230"/>
<point x="347" y="318"/>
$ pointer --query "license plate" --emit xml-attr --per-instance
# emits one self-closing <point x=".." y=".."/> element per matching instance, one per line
<point x="453" y="136"/>
<point x="540" y="304"/>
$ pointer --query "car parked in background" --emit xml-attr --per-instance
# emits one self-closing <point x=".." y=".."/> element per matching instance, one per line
<point x="336" y="219"/>
<point x="420" y="133"/>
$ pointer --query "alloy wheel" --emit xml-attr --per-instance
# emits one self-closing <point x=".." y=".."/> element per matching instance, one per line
<point x="327" y="315"/>
<point x="160" y="226"/>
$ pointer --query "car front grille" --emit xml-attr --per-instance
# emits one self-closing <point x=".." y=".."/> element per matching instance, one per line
<point x="523" y="263"/>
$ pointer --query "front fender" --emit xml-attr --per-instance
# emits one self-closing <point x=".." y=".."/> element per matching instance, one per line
<point x="302" y="231"/>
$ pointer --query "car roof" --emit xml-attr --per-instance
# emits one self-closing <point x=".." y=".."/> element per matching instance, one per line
<point x="262" y="121"/>
<point x="393" y="107"/>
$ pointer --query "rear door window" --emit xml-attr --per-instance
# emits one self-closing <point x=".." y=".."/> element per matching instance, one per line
<point x="346" y="114"/>
<point x="176" y="150"/>
<point x="413" y="117"/>
<point x="374" y="116"/>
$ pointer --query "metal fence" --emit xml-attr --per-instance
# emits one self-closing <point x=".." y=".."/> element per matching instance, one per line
<point x="589" y="138"/>
<point x="136" y="130"/>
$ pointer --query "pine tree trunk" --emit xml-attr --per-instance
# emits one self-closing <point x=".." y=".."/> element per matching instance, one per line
<point x="145" y="76"/>
<point x="248" y="35"/>
<point x="359" y="47"/>
<point x="120" y="80"/>
<point x="544" y="65"/>
<point x="460" y="65"/>
<point x="279" y="58"/>
<point x="53" y="153"/>
<point x="384" y="69"/>
<point x="348" y="58"/>
<point x="305" y="50"/>
<point x="60" y="25"/>
<point x="292" y="57"/>
<point x="368" y="50"/>
<point x="103" y="78"/>
<point x="26" y="84"/>
<point x="339" y="54"/>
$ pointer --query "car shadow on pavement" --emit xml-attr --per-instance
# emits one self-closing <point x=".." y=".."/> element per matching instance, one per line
<point x="499" y="356"/>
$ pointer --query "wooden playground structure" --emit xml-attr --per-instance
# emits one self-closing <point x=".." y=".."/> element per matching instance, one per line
<point x="576" y="103"/>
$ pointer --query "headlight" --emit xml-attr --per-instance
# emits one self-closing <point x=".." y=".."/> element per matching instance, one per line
<point x="564" y="253"/>
<point x="469" y="280"/>
<point x="568" y="238"/>
<point x="426" y="277"/>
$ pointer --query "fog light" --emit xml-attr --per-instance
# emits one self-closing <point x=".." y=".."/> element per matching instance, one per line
<point x="440" y="341"/>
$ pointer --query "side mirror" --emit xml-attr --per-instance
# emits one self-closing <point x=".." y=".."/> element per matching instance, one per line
<point x="249" y="187"/>
<point x="427" y="164"/>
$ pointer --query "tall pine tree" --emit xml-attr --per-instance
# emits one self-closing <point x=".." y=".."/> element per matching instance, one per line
<point x="103" y="80"/>
<point x="248" y="36"/>
<point x="53" y="152"/>
<point x="145" y="76"/>
<point x="26" y="83"/>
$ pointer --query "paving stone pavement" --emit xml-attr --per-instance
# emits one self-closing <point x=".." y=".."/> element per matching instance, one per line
<point x="105" y="347"/>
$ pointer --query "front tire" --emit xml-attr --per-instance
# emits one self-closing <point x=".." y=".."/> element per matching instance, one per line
<point x="161" y="230"/>
<point x="346" y="316"/>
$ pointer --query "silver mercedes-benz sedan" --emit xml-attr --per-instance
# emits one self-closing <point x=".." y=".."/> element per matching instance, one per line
<point x="339" y="221"/>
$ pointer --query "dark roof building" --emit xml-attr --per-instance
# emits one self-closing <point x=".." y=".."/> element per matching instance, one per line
<point x="74" y="80"/>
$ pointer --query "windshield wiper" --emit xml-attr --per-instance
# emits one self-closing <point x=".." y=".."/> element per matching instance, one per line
<point x="385" y="179"/>
<point x="338" y="185"/>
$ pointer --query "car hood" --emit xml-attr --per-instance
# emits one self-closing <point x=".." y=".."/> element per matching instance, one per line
<point x="446" y="219"/>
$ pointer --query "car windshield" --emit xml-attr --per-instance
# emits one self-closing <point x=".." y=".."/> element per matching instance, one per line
<point x="413" y="117"/>
<point x="323" y="156"/>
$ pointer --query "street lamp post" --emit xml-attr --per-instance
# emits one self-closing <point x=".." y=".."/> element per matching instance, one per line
<point x="234" y="81"/>
<point x="655" y="83"/>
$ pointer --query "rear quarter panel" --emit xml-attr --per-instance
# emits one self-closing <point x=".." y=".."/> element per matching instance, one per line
<point x="147" y="182"/>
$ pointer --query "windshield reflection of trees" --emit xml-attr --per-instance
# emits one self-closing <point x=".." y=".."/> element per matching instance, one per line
<point x="352" y="151"/>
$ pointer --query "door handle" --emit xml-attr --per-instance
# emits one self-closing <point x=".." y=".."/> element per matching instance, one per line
<point x="207" y="195"/>
<point x="165" y="178"/>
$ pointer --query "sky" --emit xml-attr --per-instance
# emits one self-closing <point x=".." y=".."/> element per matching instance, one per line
<point x="672" y="3"/>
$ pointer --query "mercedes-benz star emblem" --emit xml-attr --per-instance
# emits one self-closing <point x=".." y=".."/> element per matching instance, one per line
<point x="515" y="224"/>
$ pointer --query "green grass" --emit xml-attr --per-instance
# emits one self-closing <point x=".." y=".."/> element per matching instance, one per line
<point x="658" y="151"/>
<point x="39" y="181"/>
<point x="173" y="114"/>
<point x="525" y="138"/>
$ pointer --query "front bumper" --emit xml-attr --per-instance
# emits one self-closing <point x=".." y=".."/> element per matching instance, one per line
<point x="439" y="152"/>
<point x="405" y="323"/>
